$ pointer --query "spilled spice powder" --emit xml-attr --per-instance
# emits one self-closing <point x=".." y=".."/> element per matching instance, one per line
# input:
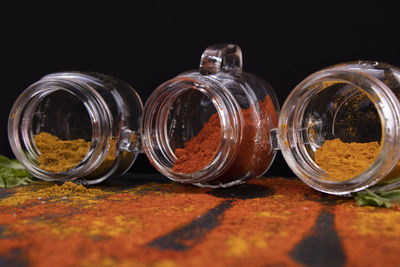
<point x="200" y="150"/>
<point x="371" y="231"/>
<point x="68" y="190"/>
<point x="116" y="230"/>
<point x="343" y="161"/>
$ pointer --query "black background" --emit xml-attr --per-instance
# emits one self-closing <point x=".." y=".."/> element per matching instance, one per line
<point x="148" y="42"/>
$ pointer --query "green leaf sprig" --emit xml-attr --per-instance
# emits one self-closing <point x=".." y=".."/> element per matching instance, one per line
<point x="384" y="194"/>
<point x="12" y="173"/>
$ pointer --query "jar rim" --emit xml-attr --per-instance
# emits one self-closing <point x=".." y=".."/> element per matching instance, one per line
<point x="20" y="117"/>
<point x="387" y="106"/>
<point x="227" y="109"/>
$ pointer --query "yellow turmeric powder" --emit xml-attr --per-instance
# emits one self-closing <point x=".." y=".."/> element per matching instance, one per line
<point x="58" y="155"/>
<point x="343" y="161"/>
<point x="67" y="189"/>
<point x="53" y="193"/>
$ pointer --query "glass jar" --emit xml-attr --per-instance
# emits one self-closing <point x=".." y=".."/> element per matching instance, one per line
<point x="217" y="126"/>
<point x="210" y="127"/>
<point x="354" y="103"/>
<point x="80" y="111"/>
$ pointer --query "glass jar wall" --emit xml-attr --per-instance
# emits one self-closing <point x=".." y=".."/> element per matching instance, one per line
<point x="211" y="127"/>
<point x="76" y="126"/>
<point x="339" y="128"/>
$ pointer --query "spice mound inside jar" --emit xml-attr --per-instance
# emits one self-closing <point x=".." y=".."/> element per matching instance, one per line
<point x="58" y="155"/>
<point x="201" y="149"/>
<point x="343" y="161"/>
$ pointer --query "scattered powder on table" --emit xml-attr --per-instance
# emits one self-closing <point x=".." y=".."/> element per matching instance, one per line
<point x="68" y="190"/>
<point x="262" y="231"/>
<point x="343" y="161"/>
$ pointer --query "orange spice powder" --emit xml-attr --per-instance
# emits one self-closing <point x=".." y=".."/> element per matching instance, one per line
<point x="343" y="161"/>
<point x="200" y="150"/>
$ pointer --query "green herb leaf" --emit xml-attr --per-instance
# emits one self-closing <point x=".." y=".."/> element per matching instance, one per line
<point x="393" y="195"/>
<point x="12" y="164"/>
<point x="12" y="173"/>
<point x="384" y="198"/>
<point x="368" y="198"/>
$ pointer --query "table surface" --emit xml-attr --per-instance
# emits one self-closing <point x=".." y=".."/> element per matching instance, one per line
<point x="147" y="220"/>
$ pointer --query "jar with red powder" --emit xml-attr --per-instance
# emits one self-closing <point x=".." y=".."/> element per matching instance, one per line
<point x="211" y="127"/>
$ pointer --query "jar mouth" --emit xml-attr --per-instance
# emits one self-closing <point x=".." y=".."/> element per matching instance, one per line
<point x="347" y="107"/>
<point x="66" y="110"/>
<point x="190" y="127"/>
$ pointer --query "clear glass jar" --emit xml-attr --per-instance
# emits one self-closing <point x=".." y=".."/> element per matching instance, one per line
<point x="210" y="127"/>
<point x="356" y="102"/>
<point x="101" y="111"/>
<point x="217" y="126"/>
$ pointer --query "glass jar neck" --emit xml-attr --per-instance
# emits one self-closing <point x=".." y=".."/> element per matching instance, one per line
<point x="27" y="119"/>
<point x="314" y="113"/>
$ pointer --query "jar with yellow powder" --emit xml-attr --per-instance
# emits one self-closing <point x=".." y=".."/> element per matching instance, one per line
<point x="75" y="126"/>
<point x="339" y="129"/>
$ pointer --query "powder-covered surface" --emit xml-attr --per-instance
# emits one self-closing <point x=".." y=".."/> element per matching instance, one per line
<point x="145" y="220"/>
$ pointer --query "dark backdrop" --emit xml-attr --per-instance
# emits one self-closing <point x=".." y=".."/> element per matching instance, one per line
<point x="148" y="42"/>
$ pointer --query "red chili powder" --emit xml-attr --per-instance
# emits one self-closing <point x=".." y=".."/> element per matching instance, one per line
<point x="200" y="150"/>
